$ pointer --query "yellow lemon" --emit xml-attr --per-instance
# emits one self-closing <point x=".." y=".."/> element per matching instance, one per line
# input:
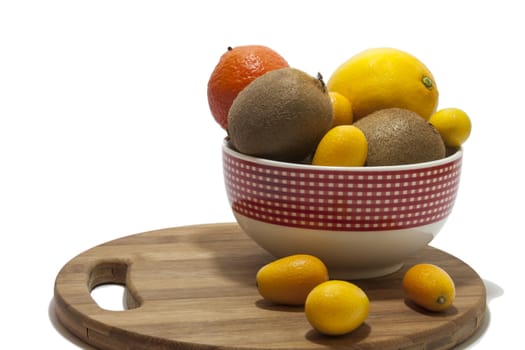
<point x="288" y="280"/>
<point x="342" y="109"/>
<point x="429" y="286"/>
<point x="381" y="78"/>
<point x="336" y="307"/>
<point x="453" y="124"/>
<point x="343" y="145"/>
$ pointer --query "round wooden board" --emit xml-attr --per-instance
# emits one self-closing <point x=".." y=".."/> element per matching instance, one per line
<point x="194" y="288"/>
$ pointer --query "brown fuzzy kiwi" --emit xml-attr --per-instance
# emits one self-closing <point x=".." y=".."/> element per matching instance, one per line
<point x="281" y="115"/>
<point x="398" y="136"/>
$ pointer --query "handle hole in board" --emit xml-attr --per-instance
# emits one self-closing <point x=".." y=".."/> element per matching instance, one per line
<point x="110" y="296"/>
<point x="107" y="285"/>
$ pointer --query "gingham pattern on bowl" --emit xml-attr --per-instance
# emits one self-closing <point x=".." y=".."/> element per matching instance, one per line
<point x="341" y="200"/>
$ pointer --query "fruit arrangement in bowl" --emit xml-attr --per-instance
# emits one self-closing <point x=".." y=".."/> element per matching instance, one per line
<point x="361" y="171"/>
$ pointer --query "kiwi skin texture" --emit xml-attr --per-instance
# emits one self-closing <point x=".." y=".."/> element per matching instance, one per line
<point x="281" y="115"/>
<point x="398" y="136"/>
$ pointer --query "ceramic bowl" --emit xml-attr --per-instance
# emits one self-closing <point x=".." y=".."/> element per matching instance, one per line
<point x="361" y="221"/>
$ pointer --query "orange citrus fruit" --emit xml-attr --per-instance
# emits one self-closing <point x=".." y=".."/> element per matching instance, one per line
<point x="236" y="68"/>
<point x="453" y="124"/>
<point x="429" y="286"/>
<point x="288" y="280"/>
<point x="380" y="78"/>
<point x="341" y="108"/>
<point x="343" y="145"/>
<point x="336" y="307"/>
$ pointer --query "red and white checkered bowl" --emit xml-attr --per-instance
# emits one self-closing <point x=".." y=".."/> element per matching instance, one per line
<point x="361" y="221"/>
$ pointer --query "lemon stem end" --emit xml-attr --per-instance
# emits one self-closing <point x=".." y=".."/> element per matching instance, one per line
<point x="427" y="82"/>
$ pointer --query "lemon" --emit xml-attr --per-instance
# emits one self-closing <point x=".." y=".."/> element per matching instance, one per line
<point x="453" y="124"/>
<point x="343" y="145"/>
<point x="380" y="78"/>
<point x="336" y="307"/>
<point x="288" y="280"/>
<point x="342" y="109"/>
<point x="429" y="286"/>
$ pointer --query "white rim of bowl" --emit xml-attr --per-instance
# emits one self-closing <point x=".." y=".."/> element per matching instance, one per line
<point x="275" y="163"/>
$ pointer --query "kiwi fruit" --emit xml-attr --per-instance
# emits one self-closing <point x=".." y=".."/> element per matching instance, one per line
<point x="281" y="115"/>
<point x="398" y="136"/>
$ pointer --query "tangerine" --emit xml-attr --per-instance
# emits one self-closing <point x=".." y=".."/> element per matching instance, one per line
<point x="288" y="280"/>
<point x="429" y="286"/>
<point x="453" y="124"/>
<point x="342" y="109"/>
<point x="237" y="68"/>
<point x="336" y="307"/>
<point x="343" y="145"/>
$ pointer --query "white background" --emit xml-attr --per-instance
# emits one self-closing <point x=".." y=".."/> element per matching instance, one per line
<point x="105" y="129"/>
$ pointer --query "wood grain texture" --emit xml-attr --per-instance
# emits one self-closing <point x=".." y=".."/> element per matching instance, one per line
<point x="194" y="288"/>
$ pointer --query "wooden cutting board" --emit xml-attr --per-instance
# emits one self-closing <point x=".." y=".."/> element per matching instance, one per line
<point x="194" y="288"/>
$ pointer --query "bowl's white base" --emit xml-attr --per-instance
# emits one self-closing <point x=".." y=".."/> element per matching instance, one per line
<point x="347" y="254"/>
